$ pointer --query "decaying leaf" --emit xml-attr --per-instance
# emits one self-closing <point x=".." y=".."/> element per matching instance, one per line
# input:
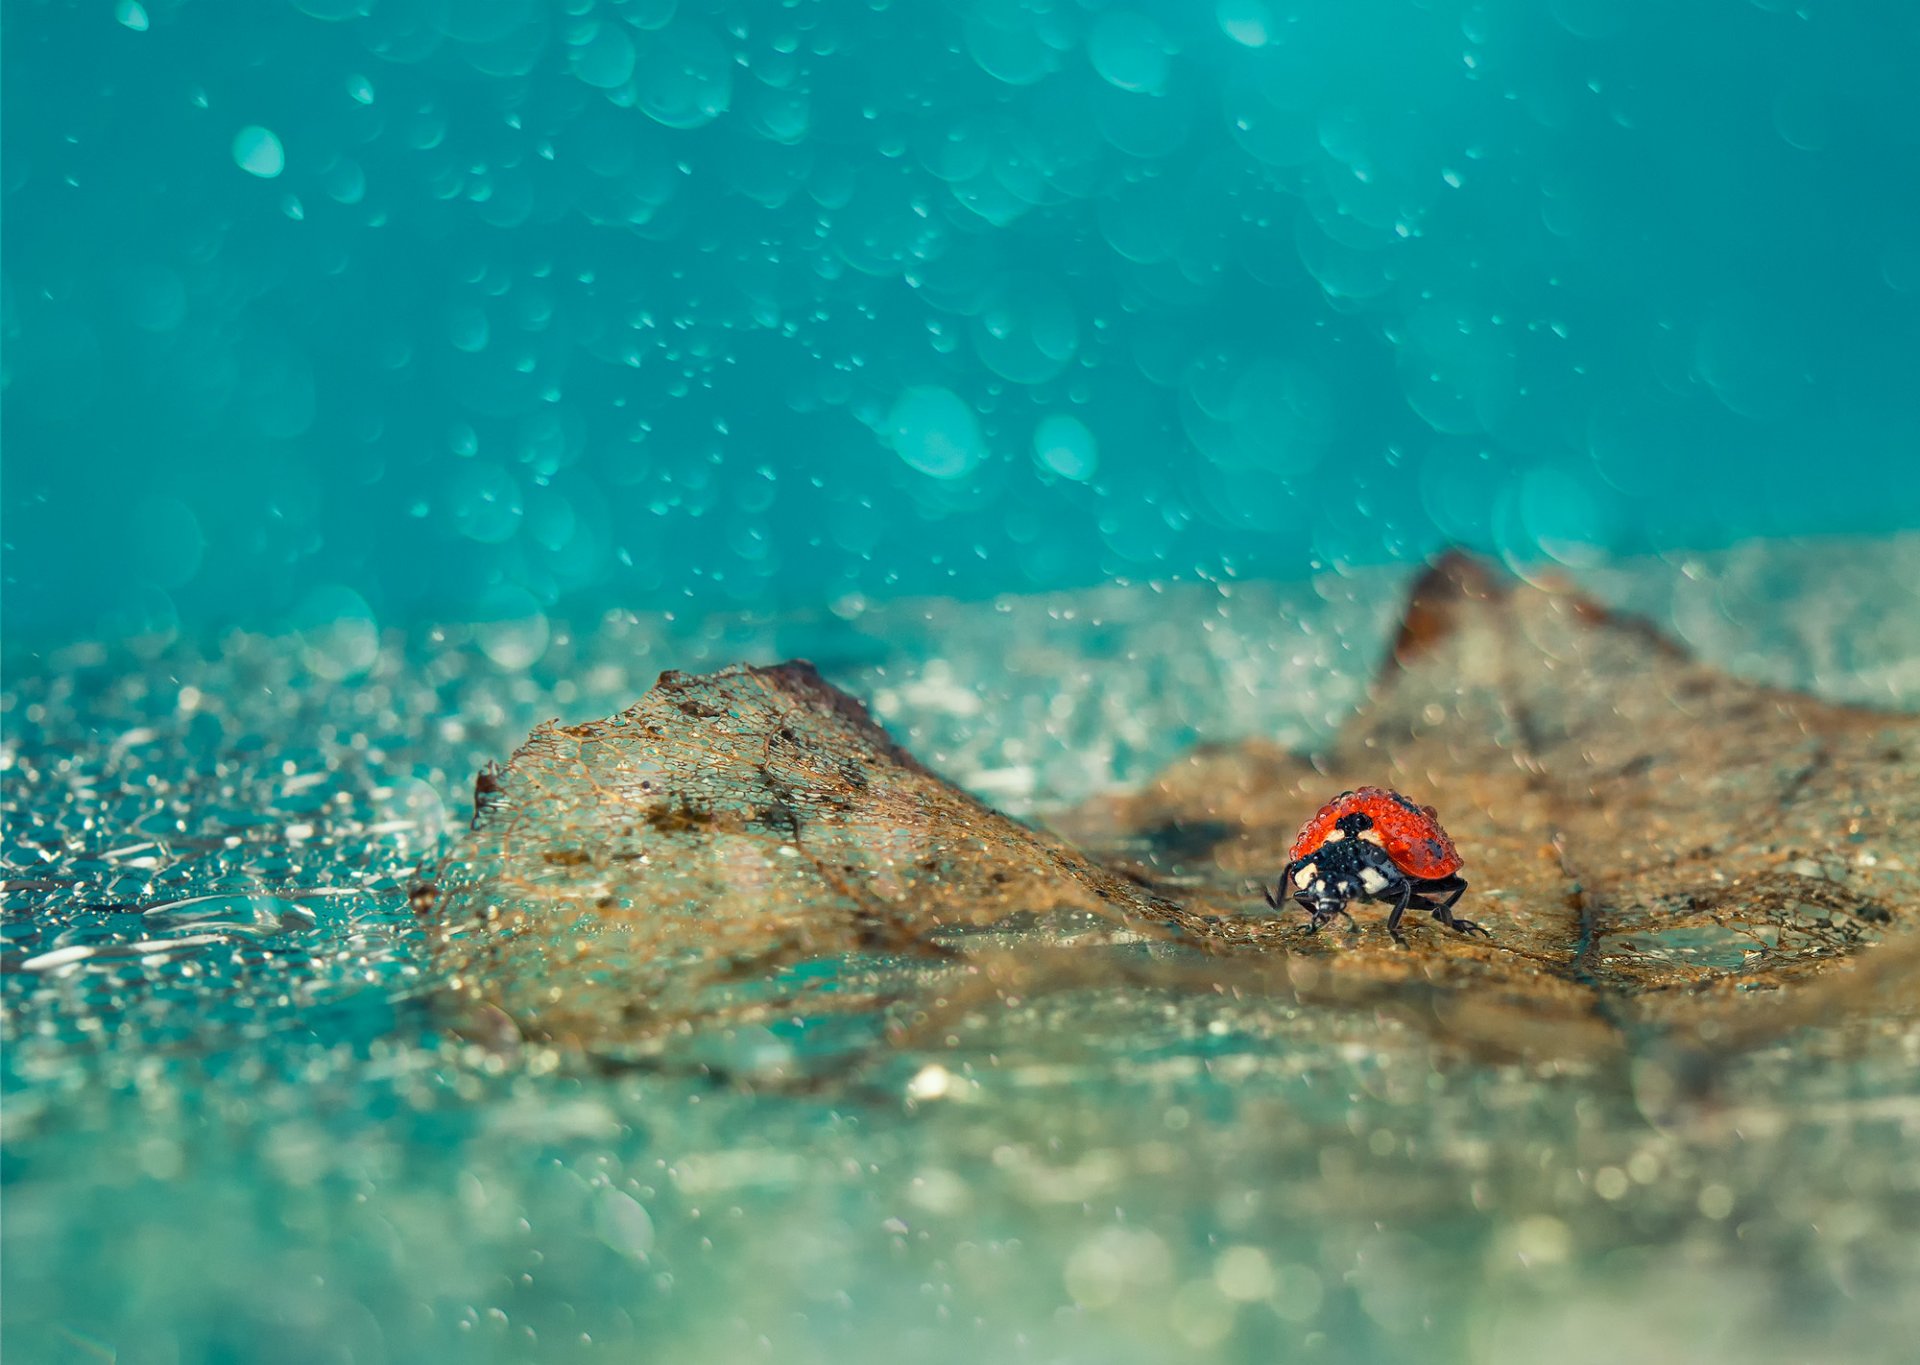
<point x="1653" y="842"/>
<point x="1662" y="852"/>
<point x="741" y="845"/>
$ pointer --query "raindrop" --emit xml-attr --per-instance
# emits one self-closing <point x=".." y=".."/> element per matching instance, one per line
<point x="346" y="182"/>
<point x="133" y="14"/>
<point x="1028" y="332"/>
<point x="551" y="519"/>
<point x="468" y="329"/>
<point x="1564" y="515"/>
<point x="685" y="77"/>
<point x="605" y="60"/>
<point x="511" y="628"/>
<point x="623" y="1224"/>
<point x="1801" y="119"/>
<point x="339" y="636"/>
<point x="1129" y="51"/>
<point x="1063" y="444"/>
<point x="935" y="432"/>
<point x="1006" y="42"/>
<point x="1142" y="221"/>
<point x="258" y="152"/>
<point x="485" y="501"/>
<point x="1247" y="22"/>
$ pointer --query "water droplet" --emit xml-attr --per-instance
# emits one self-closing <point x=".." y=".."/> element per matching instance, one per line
<point x="685" y="76"/>
<point x="935" y="432"/>
<point x="250" y="916"/>
<point x="1247" y="22"/>
<point x="1063" y="444"/>
<point x="605" y="59"/>
<point x="258" y="152"/>
<point x="346" y="182"/>
<point x="338" y="634"/>
<point x="485" y="501"/>
<point x="623" y="1224"/>
<point x="931" y="1082"/>
<point x="511" y="628"/>
<point x="133" y="14"/>
<point x="1028" y="331"/>
<point x="58" y="957"/>
<point x="1243" y="1273"/>
<point x="468" y="328"/>
<point x="1007" y="43"/>
<point x="1129" y="51"/>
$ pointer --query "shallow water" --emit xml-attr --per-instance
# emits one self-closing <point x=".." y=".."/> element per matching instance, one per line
<point x="236" y="1129"/>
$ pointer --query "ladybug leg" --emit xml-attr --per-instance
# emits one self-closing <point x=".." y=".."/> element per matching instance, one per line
<point x="1401" y="900"/>
<point x="1452" y="888"/>
<point x="1318" y="919"/>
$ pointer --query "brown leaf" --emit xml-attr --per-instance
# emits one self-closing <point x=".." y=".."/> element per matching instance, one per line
<point x="1651" y="841"/>
<point x="1668" y="858"/>
<point x="677" y="861"/>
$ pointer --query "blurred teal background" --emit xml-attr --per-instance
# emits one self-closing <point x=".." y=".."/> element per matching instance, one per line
<point x="402" y="309"/>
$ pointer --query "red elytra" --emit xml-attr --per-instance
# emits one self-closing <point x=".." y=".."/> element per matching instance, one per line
<point x="1410" y="834"/>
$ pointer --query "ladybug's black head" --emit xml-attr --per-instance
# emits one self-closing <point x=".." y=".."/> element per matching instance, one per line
<point x="1353" y="822"/>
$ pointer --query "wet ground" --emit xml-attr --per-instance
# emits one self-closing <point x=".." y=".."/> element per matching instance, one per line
<point x="242" y="1121"/>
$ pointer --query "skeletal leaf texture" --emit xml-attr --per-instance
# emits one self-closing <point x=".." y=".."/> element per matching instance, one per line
<point x="1669" y="858"/>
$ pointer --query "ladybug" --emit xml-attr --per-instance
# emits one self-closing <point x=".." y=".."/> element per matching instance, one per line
<point x="1372" y="844"/>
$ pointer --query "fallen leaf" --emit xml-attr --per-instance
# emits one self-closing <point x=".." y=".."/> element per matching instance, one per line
<point x="738" y="845"/>
<point x="1671" y="860"/>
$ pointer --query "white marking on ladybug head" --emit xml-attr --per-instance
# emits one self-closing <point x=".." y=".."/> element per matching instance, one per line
<point x="1306" y="874"/>
<point x="1371" y="878"/>
<point x="1335" y="835"/>
<point x="1372" y="836"/>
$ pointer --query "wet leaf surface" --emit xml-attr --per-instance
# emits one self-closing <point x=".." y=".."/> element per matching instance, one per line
<point x="745" y="844"/>
<point x="1670" y="859"/>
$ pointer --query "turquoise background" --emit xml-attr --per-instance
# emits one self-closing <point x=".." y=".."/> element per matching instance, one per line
<point x="401" y="309"/>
